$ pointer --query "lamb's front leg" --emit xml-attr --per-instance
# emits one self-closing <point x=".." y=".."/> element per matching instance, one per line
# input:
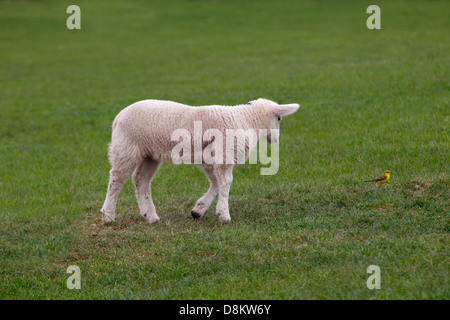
<point x="224" y="175"/>
<point x="205" y="202"/>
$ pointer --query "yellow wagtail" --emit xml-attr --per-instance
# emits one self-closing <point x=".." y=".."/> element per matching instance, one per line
<point x="382" y="179"/>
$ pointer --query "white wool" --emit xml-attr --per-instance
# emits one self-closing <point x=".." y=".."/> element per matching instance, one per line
<point x="142" y="139"/>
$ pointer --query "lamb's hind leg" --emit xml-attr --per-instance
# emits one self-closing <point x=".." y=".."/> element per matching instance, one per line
<point x="205" y="201"/>
<point x="142" y="177"/>
<point x="117" y="177"/>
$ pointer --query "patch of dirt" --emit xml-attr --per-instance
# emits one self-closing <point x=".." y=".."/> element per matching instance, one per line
<point x="385" y="207"/>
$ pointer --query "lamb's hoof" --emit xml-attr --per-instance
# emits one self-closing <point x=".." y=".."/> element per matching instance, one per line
<point x="224" y="220"/>
<point x="151" y="218"/>
<point x="107" y="220"/>
<point x="196" y="215"/>
<point x="156" y="221"/>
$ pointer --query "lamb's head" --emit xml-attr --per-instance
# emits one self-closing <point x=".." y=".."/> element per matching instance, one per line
<point x="273" y="113"/>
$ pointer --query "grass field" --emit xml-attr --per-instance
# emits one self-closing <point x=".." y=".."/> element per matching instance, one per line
<point x="370" y="100"/>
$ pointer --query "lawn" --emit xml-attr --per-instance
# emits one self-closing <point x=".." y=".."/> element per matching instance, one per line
<point x="371" y="100"/>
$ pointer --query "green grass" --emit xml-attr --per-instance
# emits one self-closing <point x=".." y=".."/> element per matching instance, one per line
<point x="370" y="101"/>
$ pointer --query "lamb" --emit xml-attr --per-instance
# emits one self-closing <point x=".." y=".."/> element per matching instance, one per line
<point x="144" y="135"/>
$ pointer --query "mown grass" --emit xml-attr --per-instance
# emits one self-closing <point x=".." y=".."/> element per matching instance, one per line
<point x="370" y="101"/>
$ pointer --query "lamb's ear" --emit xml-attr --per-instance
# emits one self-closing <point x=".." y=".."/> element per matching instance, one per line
<point x="285" y="109"/>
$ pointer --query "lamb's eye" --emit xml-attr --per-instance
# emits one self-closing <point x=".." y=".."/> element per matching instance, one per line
<point x="279" y="119"/>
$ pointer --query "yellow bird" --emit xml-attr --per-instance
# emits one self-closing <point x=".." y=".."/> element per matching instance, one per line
<point x="382" y="179"/>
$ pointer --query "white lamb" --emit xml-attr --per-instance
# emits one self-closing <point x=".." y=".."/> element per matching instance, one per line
<point x="142" y="137"/>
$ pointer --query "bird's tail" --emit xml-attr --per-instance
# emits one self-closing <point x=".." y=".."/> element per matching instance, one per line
<point x="369" y="181"/>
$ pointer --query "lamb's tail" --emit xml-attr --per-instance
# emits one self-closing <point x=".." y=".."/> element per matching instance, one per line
<point x="114" y="124"/>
